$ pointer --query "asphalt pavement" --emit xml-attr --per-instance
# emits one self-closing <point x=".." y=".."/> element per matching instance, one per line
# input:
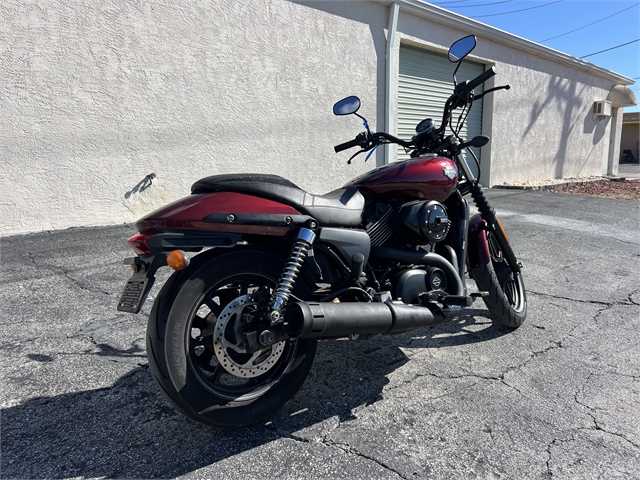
<point x="560" y="396"/>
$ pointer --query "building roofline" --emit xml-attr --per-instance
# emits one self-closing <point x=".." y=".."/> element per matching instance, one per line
<point x="446" y="17"/>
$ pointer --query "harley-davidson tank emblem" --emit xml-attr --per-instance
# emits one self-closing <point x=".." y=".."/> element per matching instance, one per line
<point x="450" y="172"/>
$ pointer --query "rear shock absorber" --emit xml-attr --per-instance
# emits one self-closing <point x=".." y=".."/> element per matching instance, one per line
<point x="282" y="292"/>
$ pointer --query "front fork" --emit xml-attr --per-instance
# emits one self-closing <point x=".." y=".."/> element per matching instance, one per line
<point x="494" y="226"/>
<point x="488" y="214"/>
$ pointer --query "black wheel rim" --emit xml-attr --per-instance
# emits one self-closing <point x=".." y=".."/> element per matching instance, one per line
<point x="199" y="342"/>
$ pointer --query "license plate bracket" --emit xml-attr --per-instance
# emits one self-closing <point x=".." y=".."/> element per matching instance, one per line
<point x="135" y="292"/>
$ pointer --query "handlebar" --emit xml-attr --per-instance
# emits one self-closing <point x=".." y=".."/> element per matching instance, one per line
<point x="391" y="138"/>
<point x="480" y="79"/>
<point x="368" y="141"/>
<point x="462" y="96"/>
<point x="346" y="145"/>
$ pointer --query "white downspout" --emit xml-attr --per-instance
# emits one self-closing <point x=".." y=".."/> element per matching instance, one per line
<point x="390" y="79"/>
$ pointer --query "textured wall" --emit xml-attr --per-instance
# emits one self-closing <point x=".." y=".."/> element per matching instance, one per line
<point x="95" y="95"/>
<point x="544" y="127"/>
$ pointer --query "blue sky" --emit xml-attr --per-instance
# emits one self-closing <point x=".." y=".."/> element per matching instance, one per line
<point x="552" y="19"/>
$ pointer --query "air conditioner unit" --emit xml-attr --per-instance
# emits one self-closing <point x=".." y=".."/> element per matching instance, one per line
<point x="601" y="109"/>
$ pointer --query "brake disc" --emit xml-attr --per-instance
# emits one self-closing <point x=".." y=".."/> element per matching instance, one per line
<point x="228" y="347"/>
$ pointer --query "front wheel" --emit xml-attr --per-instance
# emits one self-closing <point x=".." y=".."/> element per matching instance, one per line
<point x="507" y="299"/>
<point x="195" y="349"/>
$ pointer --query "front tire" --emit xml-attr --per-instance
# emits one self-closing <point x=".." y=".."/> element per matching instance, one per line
<point x="507" y="299"/>
<point x="192" y="343"/>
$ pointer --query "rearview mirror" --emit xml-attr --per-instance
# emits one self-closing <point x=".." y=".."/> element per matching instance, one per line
<point x="462" y="48"/>
<point x="347" y="106"/>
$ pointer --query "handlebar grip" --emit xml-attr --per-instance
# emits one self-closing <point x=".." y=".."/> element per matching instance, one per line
<point x="344" y="146"/>
<point x="483" y="77"/>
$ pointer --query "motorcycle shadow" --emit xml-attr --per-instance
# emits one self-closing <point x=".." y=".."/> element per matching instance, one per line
<point x="128" y="430"/>
<point x="348" y="376"/>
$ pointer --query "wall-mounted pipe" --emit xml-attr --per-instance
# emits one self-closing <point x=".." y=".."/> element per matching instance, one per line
<point x="390" y="80"/>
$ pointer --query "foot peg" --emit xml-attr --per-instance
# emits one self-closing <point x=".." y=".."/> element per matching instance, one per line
<point x="480" y="294"/>
<point x="457" y="300"/>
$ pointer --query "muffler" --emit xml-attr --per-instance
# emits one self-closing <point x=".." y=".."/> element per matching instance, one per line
<point x="332" y="320"/>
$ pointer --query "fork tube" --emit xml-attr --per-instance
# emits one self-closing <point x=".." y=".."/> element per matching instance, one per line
<point x="489" y="216"/>
<point x="461" y="247"/>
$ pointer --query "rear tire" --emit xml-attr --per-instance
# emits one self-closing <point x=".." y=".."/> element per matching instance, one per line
<point x="184" y="327"/>
<point x="507" y="299"/>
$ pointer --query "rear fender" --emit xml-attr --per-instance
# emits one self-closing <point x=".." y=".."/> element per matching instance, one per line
<point x="219" y="219"/>
<point x="190" y="241"/>
<point x="477" y="247"/>
<point x="223" y="212"/>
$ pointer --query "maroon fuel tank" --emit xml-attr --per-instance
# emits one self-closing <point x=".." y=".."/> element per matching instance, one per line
<point x="427" y="178"/>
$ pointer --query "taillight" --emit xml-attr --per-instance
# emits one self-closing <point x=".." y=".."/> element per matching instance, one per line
<point x="139" y="243"/>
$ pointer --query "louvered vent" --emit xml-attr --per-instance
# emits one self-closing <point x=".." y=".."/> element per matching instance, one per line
<point x="380" y="231"/>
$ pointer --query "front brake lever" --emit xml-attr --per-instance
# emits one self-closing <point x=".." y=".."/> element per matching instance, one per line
<point x="355" y="155"/>
<point x="503" y="87"/>
<point x="368" y="146"/>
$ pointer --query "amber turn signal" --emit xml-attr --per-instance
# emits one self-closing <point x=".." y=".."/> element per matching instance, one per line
<point x="177" y="260"/>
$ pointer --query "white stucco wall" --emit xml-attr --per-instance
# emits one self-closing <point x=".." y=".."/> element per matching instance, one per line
<point x="543" y="127"/>
<point x="96" y="95"/>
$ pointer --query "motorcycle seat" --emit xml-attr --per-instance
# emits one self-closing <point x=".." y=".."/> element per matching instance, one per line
<point x="341" y="207"/>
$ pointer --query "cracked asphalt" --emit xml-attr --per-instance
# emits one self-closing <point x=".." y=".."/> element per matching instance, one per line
<point x="559" y="397"/>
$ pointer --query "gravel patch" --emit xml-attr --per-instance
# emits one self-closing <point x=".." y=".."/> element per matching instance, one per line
<point x="620" y="189"/>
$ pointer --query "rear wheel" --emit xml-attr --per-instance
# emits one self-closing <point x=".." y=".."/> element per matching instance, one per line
<point x="507" y="299"/>
<point x="195" y="350"/>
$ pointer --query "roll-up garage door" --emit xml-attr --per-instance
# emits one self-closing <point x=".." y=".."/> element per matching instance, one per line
<point x="425" y="82"/>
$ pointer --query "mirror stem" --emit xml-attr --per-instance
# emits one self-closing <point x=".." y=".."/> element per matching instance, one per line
<point x="364" y="122"/>
<point x="455" y="82"/>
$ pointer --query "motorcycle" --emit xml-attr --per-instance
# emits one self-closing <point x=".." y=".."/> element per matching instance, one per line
<point x="233" y="332"/>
